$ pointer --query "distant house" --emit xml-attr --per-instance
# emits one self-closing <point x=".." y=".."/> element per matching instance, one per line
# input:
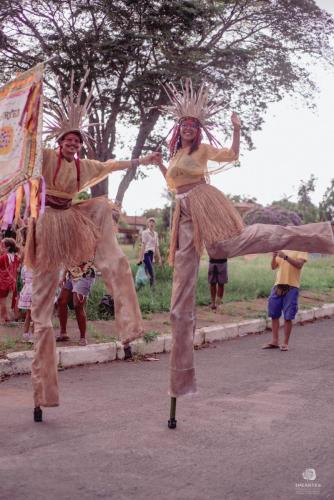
<point x="129" y="228"/>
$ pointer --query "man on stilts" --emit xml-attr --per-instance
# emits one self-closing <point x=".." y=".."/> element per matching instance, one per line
<point x="65" y="235"/>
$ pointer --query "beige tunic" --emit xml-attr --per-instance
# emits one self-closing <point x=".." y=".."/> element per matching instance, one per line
<point x="67" y="237"/>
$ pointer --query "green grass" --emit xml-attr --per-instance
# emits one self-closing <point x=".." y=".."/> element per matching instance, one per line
<point x="9" y="344"/>
<point x="150" y="336"/>
<point x="248" y="280"/>
<point x="251" y="279"/>
<point x="98" y="336"/>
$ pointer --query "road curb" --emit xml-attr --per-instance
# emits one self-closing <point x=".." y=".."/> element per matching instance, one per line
<point x="17" y="363"/>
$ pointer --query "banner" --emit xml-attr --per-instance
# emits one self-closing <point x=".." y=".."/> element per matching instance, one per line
<point x="21" y="130"/>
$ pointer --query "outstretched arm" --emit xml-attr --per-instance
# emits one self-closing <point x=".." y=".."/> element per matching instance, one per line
<point x="94" y="171"/>
<point x="227" y="154"/>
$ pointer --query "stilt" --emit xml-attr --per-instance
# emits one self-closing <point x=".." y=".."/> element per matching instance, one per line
<point x="172" y="421"/>
<point x="127" y="352"/>
<point x="38" y="414"/>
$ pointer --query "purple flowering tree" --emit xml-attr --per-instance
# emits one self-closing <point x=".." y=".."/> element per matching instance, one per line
<point x="272" y="215"/>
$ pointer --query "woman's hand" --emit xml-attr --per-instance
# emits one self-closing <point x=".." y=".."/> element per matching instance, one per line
<point x="235" y="120"/>
<point x="153" y="158"/>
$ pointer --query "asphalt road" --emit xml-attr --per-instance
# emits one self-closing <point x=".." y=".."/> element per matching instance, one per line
<point x="258" y="422"/>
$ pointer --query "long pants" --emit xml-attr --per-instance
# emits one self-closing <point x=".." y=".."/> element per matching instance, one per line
<point x="148" y="261"/>
<point x="116" y="273"/>
<point x="258" y="238"/>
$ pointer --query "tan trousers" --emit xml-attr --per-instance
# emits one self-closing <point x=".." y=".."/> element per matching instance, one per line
<point x="116" y="273"/>
<point x="258" y="238"/>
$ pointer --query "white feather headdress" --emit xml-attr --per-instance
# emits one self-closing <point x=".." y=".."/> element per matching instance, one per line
<point x="192" y="103"/>
<point x="69" y="115"/>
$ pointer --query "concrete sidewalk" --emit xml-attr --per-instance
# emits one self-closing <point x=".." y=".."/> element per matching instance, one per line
<point x="260" y="421"/>
<point x="20" y="362"/>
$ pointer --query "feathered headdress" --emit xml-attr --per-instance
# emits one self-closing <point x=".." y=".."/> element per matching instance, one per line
<point x="192" y="103"/>
<point x="69" y="115"/>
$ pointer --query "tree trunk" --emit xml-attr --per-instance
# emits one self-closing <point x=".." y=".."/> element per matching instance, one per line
<point x="100" y="189"/>
<point x="144" y="131"/>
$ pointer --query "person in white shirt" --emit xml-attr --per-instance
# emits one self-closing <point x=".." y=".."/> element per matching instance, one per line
<point x="150" y="249"/>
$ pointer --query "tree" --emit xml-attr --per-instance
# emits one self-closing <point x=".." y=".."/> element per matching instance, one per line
<point x="304" y="206"/>
<point x="252" y="52"/>
<point x="286" y="203"/>
<point x="272" y="215"/>
<point x="326" y="207"/>
<point x="241" y="198"/>
<point x="307" y="210"/>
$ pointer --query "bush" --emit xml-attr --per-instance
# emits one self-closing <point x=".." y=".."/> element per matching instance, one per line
<point x="272" y="215"/>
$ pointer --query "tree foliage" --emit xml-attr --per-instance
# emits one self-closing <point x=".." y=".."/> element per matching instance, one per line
<point x="162" y="218"/>
<point x="304" y="207"/>
<point x="326" y="207"/>
<point x="252" y="52"/>
<point x="241" y="198"/>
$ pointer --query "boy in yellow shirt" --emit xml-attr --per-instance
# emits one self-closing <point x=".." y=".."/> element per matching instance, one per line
<point x="284" y="295"/>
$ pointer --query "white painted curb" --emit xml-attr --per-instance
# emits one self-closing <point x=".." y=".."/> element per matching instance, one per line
<point x="20" y="362"/>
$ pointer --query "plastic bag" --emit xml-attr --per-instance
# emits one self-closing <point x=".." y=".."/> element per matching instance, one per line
<point x="107" y="307"/>
<point x="141" y="277"/>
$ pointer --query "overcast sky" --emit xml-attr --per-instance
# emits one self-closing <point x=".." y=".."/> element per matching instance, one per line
<point x="294" y="143"/>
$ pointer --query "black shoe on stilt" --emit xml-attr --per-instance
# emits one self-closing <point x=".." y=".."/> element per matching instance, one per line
<point x="127" y="353"/>
<point x="38" y="414"/>
<point x="172" y="421"/>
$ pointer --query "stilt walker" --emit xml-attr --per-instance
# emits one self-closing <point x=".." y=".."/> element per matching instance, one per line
<point x="205" y="217"/>
<point x="65" y="235"/>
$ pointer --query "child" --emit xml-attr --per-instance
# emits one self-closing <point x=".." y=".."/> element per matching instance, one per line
<point x="25" y="302"/>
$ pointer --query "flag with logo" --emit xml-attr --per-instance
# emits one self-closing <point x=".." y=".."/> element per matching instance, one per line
<point x="20" y="142"/>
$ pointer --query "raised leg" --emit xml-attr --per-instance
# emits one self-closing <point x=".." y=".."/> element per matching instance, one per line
<point x="264" y="238"/>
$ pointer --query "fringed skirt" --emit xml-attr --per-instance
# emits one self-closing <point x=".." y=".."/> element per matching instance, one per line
<point x="65" y="238"/>
<point x="214" y="218"/>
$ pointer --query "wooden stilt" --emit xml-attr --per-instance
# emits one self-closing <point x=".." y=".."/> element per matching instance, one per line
<point x="172" y="421"/>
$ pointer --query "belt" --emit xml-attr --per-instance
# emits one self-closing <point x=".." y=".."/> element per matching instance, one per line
<point x="57" y="202"/>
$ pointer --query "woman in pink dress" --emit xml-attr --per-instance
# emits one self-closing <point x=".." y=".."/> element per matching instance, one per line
<point x="9" y="264"/>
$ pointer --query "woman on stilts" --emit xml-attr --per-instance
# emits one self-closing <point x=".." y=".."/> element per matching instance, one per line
<point x="205" y="217"/>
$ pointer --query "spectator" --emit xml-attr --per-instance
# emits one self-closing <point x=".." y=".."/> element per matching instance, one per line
<point x="217" y="277"/>
<point x="284" y="295"/>
<point x="150" y="249"/>
<point x="76" y="287"/>
<point x="24" y="303"/>
<point x="9" y="264"/>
